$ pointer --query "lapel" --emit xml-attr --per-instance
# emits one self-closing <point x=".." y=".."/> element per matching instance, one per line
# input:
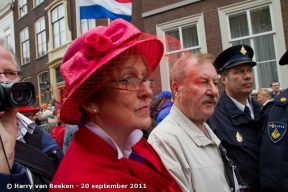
<point x="237" y="116"/>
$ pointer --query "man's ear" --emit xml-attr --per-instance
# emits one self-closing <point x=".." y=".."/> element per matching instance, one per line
<point x="224" y="80"/>
<point x="175" y="89"/>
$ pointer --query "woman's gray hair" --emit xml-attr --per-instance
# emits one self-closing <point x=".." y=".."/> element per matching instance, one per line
<point x="4" y="44"/>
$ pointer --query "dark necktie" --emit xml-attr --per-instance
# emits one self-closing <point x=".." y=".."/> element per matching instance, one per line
<point x="247" y="110"/>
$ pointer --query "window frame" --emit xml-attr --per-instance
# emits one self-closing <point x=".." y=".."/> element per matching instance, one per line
<point x="90" y="22"/>
<point x="46" y="94"/>
<point x="25" y="42"/>
<point x="44" y="41"/>
<point x="277" y="31"/>
<point x="198" y="21"/>
<point x="8" y="36"/>
<point x="62" y="41"/>
<point x="21" y="7"/>
<point x="58" y="75"/>
<point x="27" y="79"/>
<point x="37" y="2"/>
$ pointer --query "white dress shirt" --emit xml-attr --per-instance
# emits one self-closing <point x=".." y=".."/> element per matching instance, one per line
<point x="133" y="138"/>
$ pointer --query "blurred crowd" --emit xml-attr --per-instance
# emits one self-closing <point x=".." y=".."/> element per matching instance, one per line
<point x="48" y="118"/>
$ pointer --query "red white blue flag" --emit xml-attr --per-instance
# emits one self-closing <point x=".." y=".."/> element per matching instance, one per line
<point x="113" y="9"/>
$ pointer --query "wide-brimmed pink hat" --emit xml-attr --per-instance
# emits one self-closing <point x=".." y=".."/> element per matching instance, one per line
<point x="92" y="51"/>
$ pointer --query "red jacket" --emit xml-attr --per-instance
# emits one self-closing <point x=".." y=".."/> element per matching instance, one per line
<point x="90" y="163"/>
<point x="58" y="135"/>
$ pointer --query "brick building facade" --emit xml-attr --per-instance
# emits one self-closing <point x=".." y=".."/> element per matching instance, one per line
<point x="219" y="25"/>
<point x="44" y="29"/>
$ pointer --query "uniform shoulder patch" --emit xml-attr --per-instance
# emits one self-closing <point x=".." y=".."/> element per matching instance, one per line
<point x="276" y="130"/>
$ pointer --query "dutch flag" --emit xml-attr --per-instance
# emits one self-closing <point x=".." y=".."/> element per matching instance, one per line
<point x="113" y="9"/>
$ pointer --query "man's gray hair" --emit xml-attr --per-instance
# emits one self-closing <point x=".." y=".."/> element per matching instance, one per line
<point x="4" y="44"/>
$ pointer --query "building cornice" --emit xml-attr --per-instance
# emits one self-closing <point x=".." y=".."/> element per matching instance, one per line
<point x="6" y="10"/>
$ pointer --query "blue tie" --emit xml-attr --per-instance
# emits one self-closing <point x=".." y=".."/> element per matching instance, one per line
<point x="247" y="110"/>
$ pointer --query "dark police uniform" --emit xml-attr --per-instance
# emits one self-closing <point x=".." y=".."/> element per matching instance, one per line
<point x="238" y="133"/>
<point x="237" y="130"/>
<point x="274" y="142"/>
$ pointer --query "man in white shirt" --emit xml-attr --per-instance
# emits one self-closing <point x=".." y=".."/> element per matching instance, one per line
<point x="185" y="143"/>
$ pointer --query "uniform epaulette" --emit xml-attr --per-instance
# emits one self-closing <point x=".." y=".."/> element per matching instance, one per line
<point x="282" y="98"/>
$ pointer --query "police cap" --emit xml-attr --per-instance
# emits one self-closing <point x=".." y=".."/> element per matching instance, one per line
<point x="284" y="59"/>
<point x="235" y="55"/>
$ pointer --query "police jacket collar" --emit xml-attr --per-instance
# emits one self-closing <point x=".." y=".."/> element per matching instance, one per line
<point x="237" y="116"/>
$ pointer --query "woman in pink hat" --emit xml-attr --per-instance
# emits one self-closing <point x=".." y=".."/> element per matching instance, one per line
<point x="107" y="73"/>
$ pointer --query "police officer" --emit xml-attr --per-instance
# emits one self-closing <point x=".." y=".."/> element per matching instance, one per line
<point x="274" y="142"/>
<point x="235" y="119"/>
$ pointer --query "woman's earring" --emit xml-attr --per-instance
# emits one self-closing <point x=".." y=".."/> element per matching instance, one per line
<point x="94" y="110"/>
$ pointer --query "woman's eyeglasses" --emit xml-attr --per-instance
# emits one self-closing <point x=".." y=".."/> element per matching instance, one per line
<point x="133" y="83"/>
<point x="12" y="75"/>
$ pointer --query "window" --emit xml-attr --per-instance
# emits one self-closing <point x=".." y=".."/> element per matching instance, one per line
<point x="58" y="25"/>
<point x="24" y="38"/>
<point x="256" y="23"/>
<point x="22" y="7"/>
<point x="87" y="24"/>
<point x="182" y="35"/>
<point x="188" y="38"/>
<point x="27" y="79"/>
<point x="41" y="37"/>
<point x="37" y="2"/>
<point x="252" y="23"/>
<point x="8" y="36"/>
<point x="59" y="77"/>
<point x="44" y="85"/>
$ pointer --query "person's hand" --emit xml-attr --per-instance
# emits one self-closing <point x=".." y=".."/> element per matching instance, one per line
<point x="8" y="133"/>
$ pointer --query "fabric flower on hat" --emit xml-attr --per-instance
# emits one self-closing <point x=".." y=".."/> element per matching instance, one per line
<point x="95" y="45"/>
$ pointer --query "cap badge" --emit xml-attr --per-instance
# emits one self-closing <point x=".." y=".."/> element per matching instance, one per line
<point x="239" y="137"/>
<point x="283" y="99"/>
<point x="243" y="50"/>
